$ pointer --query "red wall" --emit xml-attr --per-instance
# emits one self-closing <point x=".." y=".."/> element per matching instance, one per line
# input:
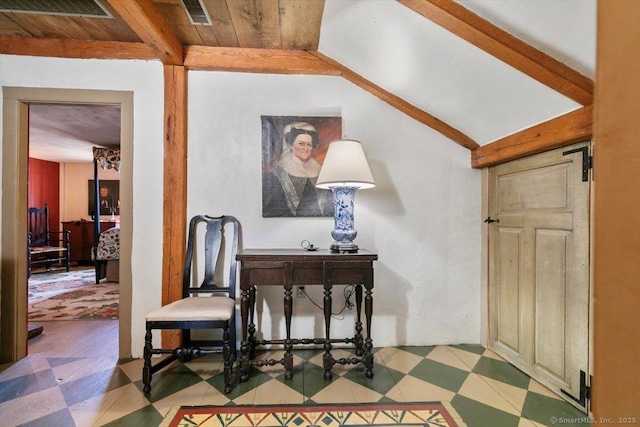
<point x="44" y="187"/>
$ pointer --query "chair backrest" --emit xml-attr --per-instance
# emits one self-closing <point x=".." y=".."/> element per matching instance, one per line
<point x="215" y="237"/>
<point x="38" y="222"/>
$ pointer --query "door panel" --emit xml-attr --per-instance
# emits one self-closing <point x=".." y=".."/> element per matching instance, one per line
<point x="519" y="192"/>
<point x="539" y="267"/>
<point x="552" y="255"/>
<point x="508" y="312"/>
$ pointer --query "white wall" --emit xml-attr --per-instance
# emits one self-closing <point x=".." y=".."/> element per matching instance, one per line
<point x="423" y="217"/>
<point x="74" y="194"/>
<point x="145" y="80"/>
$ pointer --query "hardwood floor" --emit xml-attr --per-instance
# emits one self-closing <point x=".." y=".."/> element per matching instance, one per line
<point x="76" y="338"/>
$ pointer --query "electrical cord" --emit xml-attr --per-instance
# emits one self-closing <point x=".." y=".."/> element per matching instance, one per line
<point x="347" y="292"/>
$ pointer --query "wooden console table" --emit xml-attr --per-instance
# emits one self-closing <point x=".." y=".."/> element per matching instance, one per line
<point x="295" y="267"/>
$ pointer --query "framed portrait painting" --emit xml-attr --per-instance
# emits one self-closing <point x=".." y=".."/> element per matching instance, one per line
<point x="109" y="197"/>
<point x="293" y="149"/>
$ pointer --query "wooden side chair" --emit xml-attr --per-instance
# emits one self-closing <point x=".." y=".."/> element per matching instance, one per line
<point x="209" y="305"/>
<point x="43" y="245"/>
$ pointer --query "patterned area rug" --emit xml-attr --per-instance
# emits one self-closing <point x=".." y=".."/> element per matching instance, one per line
<point x="72" y="296"/>
<point x="358" y="414"/>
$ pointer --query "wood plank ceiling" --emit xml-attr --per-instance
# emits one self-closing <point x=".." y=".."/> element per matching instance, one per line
<point x="269" y="24"/>
<point x="266" y="36"/>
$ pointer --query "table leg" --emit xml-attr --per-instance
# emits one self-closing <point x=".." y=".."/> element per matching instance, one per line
<point x="245" y="362"/>
<point x="327" y="360"/>
<point x="358" y="338"/>
<point x="367" y="357"/>
<point x="252" y="325"/>
<point x="288" y="346"/>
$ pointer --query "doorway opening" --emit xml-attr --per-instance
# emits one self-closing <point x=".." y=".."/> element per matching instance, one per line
<point x="14" y="312"/>
<point x="61" y="142"/>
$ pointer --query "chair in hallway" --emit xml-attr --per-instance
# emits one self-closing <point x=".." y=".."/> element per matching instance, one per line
<point x="209" y="305"/>
<point x="45" y="246"/>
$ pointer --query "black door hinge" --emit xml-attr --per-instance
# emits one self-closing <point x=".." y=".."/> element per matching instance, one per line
<point x="587" y="161"/>
<point x="585" y="391"/>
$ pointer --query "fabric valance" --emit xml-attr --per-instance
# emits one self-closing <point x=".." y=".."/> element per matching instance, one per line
<point x="107" y="158"/>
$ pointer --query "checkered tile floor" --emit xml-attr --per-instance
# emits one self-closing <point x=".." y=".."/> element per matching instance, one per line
<point x="96" y="391"/>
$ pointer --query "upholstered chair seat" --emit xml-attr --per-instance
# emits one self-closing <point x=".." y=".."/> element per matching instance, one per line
<point x="201" y="308"/>
<point x="208" y="300"/>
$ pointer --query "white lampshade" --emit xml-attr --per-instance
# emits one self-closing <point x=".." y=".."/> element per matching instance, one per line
<point x="345" y="166"/>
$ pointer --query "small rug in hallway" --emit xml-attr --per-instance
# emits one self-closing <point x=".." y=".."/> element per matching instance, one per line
<point x="72" y="296"/>
<point x="439" y="414"/>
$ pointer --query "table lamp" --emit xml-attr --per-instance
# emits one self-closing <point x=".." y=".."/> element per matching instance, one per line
<point x="344" y="170"/>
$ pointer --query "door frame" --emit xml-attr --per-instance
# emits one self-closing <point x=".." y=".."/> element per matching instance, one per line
<point x="15" y="155"/>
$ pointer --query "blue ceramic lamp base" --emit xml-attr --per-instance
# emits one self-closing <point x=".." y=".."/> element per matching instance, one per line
<point x="343" y="233"/>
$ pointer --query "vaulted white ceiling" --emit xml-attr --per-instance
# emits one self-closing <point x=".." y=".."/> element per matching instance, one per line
<point x="438" y="72"/>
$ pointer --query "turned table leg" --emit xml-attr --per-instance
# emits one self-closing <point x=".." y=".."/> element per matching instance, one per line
<point x="288" y="345"/>
<point x="358" y="338"/>
<point x="367" y="357"/>
<point x="245" y="361"/>
<point x="327" y="360"/>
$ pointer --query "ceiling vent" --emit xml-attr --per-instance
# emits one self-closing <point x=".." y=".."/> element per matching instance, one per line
<point x="85" y="8"/>
<point x="197" y="12"/>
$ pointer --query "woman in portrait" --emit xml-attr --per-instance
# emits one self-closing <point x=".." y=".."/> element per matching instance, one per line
<point x="289" y="189"/>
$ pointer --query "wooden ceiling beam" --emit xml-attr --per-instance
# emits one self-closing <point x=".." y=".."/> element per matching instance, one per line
<point x="567" y="129"/>
<point x="402" y="105"/>
<point x="67" y="48"/>
<point x="272" y="61"/>
<point x="497" y="42"/>
<point x="150" y="25"/>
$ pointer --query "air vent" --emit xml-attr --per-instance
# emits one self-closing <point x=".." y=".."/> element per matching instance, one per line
<point x="86" y="8"/>
<point x="197" y="12"/>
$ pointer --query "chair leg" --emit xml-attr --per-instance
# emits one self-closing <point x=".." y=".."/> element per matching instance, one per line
<point x="226" y="353"/>
<point x="146" y="368"/>
<point x="187" y="355"/>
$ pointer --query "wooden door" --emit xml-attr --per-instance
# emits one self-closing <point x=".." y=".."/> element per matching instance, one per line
<point x="539" y="269"/>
